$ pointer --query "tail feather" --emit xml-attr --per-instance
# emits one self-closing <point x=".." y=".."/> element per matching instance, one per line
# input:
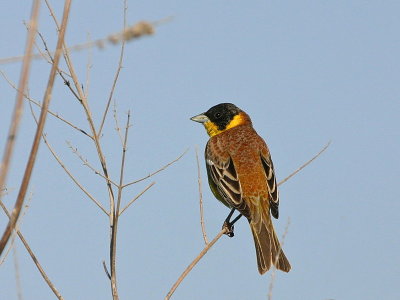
<point x="268" y="248"/>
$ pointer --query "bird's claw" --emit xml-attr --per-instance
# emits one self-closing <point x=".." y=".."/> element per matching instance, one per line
<point x="229" y="229"/>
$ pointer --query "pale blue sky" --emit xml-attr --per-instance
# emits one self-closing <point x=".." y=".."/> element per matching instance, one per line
<point x="307" y="72"/>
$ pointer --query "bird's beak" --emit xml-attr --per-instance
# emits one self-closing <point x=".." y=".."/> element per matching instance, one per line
<point x="200" y="118"/>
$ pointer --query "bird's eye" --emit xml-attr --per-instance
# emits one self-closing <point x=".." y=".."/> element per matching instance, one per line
<point x="217" y="115"/>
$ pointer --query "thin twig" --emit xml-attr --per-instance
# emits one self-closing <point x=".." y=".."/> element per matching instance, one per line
<point x="17" y="226"/>
<point x="158" y="171"/>
<point x="87" y="164"/>
<point x="304" y="165"/>
<point x="27" y="97"/>
<point x="114" y="228"/>
<point x="88" y="68"/>
<point x="224" y="230"/>
<point x="273" y="273"/>
<point x="33" y="256"/>
<point x="137" y="196"/>
<point x="17" y="273"/>
<point x="117" y="127"/>
<point x="62" y="74"/>
<point x="195" y="261"/>
<point x="60" y="162"/>
<point x="121" y="58"/>
<point x="202" y="224"/>
<point x="106" y="270"/>
<point x="42" y="119"/>
<point x="83" y="101"/>
<point x="19" y="101"/>
<point x="131" y="33"/>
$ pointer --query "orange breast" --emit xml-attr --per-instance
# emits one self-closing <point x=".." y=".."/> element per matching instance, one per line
<point x="244" y="145"/>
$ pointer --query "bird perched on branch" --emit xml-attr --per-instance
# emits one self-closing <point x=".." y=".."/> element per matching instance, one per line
<point x="241" y="175"/>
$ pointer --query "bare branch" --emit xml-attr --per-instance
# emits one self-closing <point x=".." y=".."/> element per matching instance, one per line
<point x="121" y="57"/>
<point x="224" y="230"/>
<point x="34" y="258"/>
<point x="194" y="262"/>
<point x="60" y="162"/>
<point x="18" y="108"/>
<point x="27" y="97"/>
<point x="117" y="127"/>
<point x="114" y="228"/>
<point x="87" y="164"/>
<point x="106" y="270"/>
<point x="137" y="196"/>
<point x="17" y="273"/>
<point x="131" y="33"/>
<point x="304" y="165"/>
<point x="203" y="227"/>
<point x="42" y="119"/>
<point x="158" y="171"/>
<point x="88" y="67"/>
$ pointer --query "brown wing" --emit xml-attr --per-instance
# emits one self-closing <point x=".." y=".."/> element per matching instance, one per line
<point x="272" y="186"/>
<point x="223" y="177"/>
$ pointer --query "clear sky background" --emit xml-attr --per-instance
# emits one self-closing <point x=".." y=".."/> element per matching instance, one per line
<point x="306" y="72"/>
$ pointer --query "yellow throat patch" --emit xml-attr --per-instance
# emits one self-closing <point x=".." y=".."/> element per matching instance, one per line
<point x="212" y="128"/>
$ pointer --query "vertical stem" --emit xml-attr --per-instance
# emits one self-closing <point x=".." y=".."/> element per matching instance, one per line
<point x="115" y="217"/>
<point x="42" y="119"/>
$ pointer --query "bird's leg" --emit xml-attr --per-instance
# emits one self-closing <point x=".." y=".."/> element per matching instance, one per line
<point x="229" y="225"/>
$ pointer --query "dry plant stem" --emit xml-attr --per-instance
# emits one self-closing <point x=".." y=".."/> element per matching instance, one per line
<point x="305" y="164"/>
<point x="60" y="162"/>
<point x="39" y="130"/>
<point x="100" y="43"/>
<point x="88" y="67"/>
<point x="87" y="164"/>
<point x="158" y="171"/>
<point x="273" y="273"/>
<point x="194" y="262"/>
<point x="26" y="96"/>
<point x="203" y="227"/>
<point x="61" y="73"/>
<point x="34" y="258"/>
<point x="19" y="101"/>
<point x="222" y="232"/>
<point x="17" y="273"/>
<point x="81" y="98"/>
<point x="117" y="128"/>
<point x="121" y="57"/>
<point x="114" y="224"/>
<point x="137" y="197"/>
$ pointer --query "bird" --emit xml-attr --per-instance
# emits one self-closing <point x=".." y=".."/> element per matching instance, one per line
<point x="241" y="175"/>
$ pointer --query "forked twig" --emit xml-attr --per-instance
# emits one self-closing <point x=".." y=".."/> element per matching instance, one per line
<point x="224" y="230"/>
<point x="42" y="119"/>
<point x="60" y="162"/>
<point x="115" y="212"/>
<point x="121" y="58"/>
<point x="56" y="115"/>
<point x="137" y="197"/>
<point x="158" y="171"/>
<point x="195" y="261"/>
<point x="18" y="108"/>
<point x="33" y="256"/>
<point x="202" y="224"/>
<point x="87" y="164"/>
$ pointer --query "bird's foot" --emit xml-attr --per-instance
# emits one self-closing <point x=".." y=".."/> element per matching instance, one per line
<point x="229" y="228"/>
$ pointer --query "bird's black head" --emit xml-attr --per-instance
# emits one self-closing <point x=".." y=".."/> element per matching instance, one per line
<point x="222" y="117"/>
<point x="222" y="114"/>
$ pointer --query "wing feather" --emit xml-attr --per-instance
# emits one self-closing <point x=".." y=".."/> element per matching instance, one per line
<point x="272" y="185"/>
<point x="225" y="178"/>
